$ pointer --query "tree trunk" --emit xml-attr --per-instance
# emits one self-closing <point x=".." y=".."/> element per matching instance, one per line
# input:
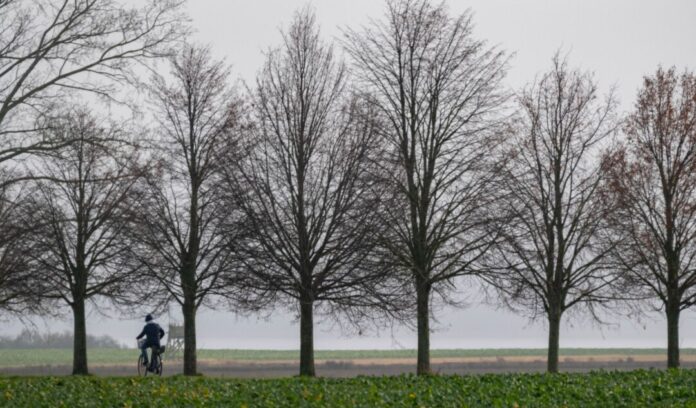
<point x="554" y="336"/>
<point x="307" y="338"/>
<point x="79" y="338"/>
<point x="189" y="310"/>
<point x="423" y="316"/>
<point x="673" y="336"/>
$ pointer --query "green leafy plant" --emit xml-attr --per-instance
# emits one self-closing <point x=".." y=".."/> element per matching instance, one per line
<point x="598" y="389"/>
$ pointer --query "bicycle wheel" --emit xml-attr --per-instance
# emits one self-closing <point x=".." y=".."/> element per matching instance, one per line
<point x="155" y="364"/>
<point x="142" y="370"/>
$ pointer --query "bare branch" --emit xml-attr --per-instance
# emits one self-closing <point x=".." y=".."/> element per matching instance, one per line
<point x="437" y="91"/>
<point x="651" y="178"/>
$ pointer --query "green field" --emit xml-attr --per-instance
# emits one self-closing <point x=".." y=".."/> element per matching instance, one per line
<point x="600" y="389"/>
<point x="40" y="357"/>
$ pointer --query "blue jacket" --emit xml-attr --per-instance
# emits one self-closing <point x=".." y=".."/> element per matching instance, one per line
<point x="154" y="333"/>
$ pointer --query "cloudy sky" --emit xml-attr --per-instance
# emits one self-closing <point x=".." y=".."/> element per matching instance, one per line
<point x="619" y="40"/>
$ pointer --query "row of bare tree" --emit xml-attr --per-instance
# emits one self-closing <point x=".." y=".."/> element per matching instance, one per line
<point x="363" y="192"/>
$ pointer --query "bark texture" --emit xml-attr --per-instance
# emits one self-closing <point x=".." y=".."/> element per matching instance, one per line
<point x="79" y="338"/>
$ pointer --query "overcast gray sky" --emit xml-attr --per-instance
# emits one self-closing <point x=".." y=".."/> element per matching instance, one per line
<point x="619" y="40"/>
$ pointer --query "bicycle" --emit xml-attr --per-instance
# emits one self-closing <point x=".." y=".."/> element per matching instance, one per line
<point x="155" y="360"/>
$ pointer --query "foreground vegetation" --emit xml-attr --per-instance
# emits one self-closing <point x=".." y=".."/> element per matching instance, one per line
<point x="53" y="357"/>
<point x="615" y="389"/>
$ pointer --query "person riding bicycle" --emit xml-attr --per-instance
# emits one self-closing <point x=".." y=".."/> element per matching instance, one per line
<point x="152" y="333"/>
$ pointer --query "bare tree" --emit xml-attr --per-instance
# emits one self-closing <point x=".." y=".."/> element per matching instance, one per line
<point x="19" y="288"/>
<point x="181" y="234"/>
<point x="437" y="88"/>
<point x="652" y="179"/>
<point x="49" y="48"/>
<point x="84" y="195"/>
<point x="305" y="188"/>
<point x="551" y="255"/>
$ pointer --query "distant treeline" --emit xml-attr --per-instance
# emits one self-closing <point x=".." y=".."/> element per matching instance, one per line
<point x="31" y="339"/>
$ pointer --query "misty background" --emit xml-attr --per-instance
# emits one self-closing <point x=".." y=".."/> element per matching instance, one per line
<point x="619" y="40"/>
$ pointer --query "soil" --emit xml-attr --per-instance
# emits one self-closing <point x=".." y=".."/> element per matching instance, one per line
<point x="376" y="367"/>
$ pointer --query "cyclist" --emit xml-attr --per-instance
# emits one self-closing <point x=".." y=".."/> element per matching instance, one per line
<point x="153" y="333"/>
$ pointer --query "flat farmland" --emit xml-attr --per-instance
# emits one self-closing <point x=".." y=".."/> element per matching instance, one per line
<point x="342" y="363"/>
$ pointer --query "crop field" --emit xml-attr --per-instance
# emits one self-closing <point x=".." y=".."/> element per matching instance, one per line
<point x="601" y="389"/>
<point x="43" y="357"/>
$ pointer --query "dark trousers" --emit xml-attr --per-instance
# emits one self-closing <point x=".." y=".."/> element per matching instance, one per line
<point x="143" y="349"/>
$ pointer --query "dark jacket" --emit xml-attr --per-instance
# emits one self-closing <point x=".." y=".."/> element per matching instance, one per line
<point x="154" y="333"/>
